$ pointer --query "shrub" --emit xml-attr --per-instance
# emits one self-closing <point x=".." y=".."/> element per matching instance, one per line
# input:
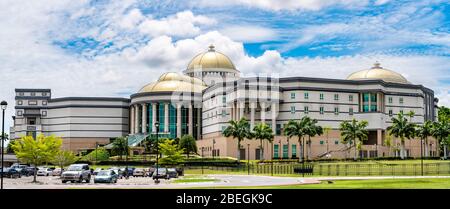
<point x="99" y="154"/>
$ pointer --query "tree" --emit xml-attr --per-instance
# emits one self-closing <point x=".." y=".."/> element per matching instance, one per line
<point x="444" y="114"/>
<point x="37" y="151"/>
<point x="403" y="129"/>
<point x="187" y="142"/>
<point x="172" y="153"/>
<point x="326" y="131"/>
<point x="239" y="130"/>
<point x="441" y="131"/>
<point x="354" y="132"/>
<point x="99" y="154"/>
<point x="120" y="146"/>
<point x="262" y="132"/>
<point x="295" y="129"/>
<point x="311" y="130"/>
<point x="424" y="131"/>
<point x="64" y="158"/>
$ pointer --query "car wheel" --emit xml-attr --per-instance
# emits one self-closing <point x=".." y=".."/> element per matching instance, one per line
<point x="64" y="181"/>
<point x="88" y="180"/>
<point x="80" y="180"/>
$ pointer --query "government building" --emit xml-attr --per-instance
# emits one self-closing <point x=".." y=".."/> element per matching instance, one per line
<point x="210" y="92"/>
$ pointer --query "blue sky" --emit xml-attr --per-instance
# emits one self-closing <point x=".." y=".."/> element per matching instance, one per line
<point x="112" y="48"/>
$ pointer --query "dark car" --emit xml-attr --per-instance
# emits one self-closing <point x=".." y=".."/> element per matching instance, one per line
<point x="10" y="173"/>
<point x="172" y="173"/>
<point x="30" y="171"/>
<point x="22" y="169"/>
<point x="128" y="172"/>
<point x="161" y="173"/>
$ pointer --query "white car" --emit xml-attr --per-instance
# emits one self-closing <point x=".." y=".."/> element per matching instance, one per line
<point x="56" y="172"/>
<point x="43" y="171"/>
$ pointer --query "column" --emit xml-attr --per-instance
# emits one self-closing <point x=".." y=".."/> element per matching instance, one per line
<point x="274" y="117"/>
<point x="144" y="118"/>
<point x="154" y="117"/>
<point x="241" y="109"/>
<point x="190" y="121"/>
<point x="131" y="119"/>
<point x="232" y="112"/>
<point x="263" y="112"/>
<point x="252" y="115"/>
<point x="166" y="117"/>
<point x="179" y="120"/>
<point x="199" y="122"/>
<point x="136" y="118"/>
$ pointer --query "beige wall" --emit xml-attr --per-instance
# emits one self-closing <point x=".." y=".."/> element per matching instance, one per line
<point x="79" y="144"/>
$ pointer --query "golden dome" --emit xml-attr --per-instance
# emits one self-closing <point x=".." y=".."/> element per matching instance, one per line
<point x="377" y="72"/>
<point x="175" y="82"/>
<point x="211" y="59"/>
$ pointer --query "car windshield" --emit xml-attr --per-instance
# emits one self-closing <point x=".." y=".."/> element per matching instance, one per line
<point x="75" y="168"/>
<point x="104" y="173"/>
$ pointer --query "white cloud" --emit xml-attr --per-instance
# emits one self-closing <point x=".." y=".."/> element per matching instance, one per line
<point x="287" y="4"/>
<point x="381" y="2"/>
<point x="249" y="34"/>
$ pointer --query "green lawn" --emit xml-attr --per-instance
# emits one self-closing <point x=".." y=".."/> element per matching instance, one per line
<point x="431" y="183"/>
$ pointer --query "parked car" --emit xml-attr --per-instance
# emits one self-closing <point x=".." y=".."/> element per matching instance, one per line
<point x="30" y="171"/>
<point x="172" y="173"/>
<point x="139" y="172"/>
<point x="106" y="176"/>
<point x="118" y="171"/>
<point x="97" y="170"/>
<point x="22" y="169"/>
<point x="10" y="173"/>
<point x="151" y="170"/>
<point x="129" y="172"/>
<point x="161" y="173"/>
<point x="57" y="172"/>
<point x="76" y="173"/>
<point x="44" y="171"/>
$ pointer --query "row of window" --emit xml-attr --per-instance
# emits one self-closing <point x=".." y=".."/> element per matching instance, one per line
<point x="20" y="113"/>
<point x="34" y="94"/>
<point x="32" y="102"/>
<point x="276" y="149"/>
<point x="321" y="110"/>
<point x="321" y="96"/>
<point x="400" y="100"/>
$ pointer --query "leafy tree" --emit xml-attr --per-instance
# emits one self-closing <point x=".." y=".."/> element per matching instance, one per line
<point x="99" y="154"/>
<point x="424" y="131"/>
<point x="311" y="130"/>
<point x="37" y="151"/>
<point x="444" y="114"/>
<point x="238" y="130"/>
<point x="187" y="142"/>
<point x="441" y="131"/>
<point x="64" y="158"/>
<point x="403" y="129"/>
<point x="295" y="129"/>
<point x="172" y="153"/>
<point x="120" y="146"/>
<point x="326" y="131"/>
<point x="263" y="132"/>
<point x="354" y="132"/>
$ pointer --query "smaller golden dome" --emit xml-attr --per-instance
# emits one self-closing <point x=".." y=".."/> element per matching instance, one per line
<point x="377" y="72"/>
<point x="175" y="82"/>
<point x="211" y="59"/>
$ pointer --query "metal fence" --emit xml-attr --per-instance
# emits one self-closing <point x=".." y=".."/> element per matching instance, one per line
<point x="318" y="169"/>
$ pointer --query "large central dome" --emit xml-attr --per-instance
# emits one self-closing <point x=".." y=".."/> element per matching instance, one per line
<point x="377" y="72"/>
<point x="211" y="60"/>
<point x="170" y="82"/>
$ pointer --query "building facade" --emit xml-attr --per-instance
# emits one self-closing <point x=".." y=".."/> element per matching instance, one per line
<point x="211" y="92"/>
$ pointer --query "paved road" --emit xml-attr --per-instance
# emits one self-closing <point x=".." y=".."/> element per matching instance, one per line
<point x="147" y="183"/>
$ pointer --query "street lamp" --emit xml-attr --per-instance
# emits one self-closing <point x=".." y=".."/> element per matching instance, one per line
<point x="421" y="156"/>
<point x="203" y="148"/>
<point x="96" y="150"/>
<point x="3" y="105"/>
<point x="213" y="151"/>
<point x="126" y="159"/>
<point x="157" y="152"/>
<point x="248" y="158"/>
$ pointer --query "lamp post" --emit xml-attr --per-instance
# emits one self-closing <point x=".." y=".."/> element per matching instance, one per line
<point x="213" y="151"/>
<point x="157" y="152"/>
<point x="126" y="159"/>
<point x="203" y="148"/>
<point x="3" y="105"/>
<point x="271" y="162"/>
<point x="96" y="150"/>
<point x="421" y="156"/>
<point x="248" y="158"/>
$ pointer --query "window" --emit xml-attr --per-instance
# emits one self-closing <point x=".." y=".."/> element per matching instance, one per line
<point x="306" y="109"/>
<point x="21" y="94"/>
<point x="19" y="113"/>
<point x="19" y="102"/>
<point x="321" y="110"/>
<point x="224" y="99"/>
<point x="32" y="102"/>
<point x="400" y="100"/>
<point x="292" y="95"/>
<point x="44" y="113"/>
<point x="336" y="110"/>
<point x="44" y="102"/>
<point x="224" y="113"/>
<point x="350" y="98"/>
<point x="350" y="111"/>
<point x="276" y="151"/>
<point x="401" y="111"/>
<point x="292" y="109"/>
<point x="321" y="142"/>
<point x="390" y="100"/>
<point x="294" y="151"/>
<point x="306" y="95"/>
<point x="321" y="96"/>
<point x="390" y="113"/>
<point x="285" y="151"/>
<point x="336" y="97"/>
<point x="44" y="94"/>
<point x="223" y="128"/>
<point x="33" y="93"/>
<point x="278" y="130"/>
<point x="336" y="142"/>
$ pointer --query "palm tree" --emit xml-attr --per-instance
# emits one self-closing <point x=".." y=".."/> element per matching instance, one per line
<point x="326" y="131"/>
<point x="311" y="129"/>
<point x="354" y="131"/>
<point x="403" y="129"/>
<point x="441" y="131"/>
<point x="238" y="130"/>
<point x="262" y="132"/>
<point x="424" y="131"/>
<point x="294" y="129"/>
